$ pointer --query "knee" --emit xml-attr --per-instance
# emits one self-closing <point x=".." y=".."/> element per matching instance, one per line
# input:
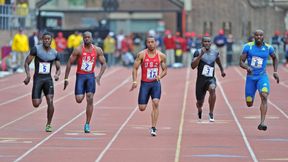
<point x="249" y="104"/>
<point x="199" y="103"/>
<point x="36" y="104"/>
<point x="142" y="108"/>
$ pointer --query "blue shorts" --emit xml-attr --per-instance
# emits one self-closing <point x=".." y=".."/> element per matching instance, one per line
<point x="85" y="83"/>
<point x="253" y="83"/>
<point x="148" y="89"/>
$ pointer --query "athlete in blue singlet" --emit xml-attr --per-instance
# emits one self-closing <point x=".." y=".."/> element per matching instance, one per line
<point x="256" y="53"/>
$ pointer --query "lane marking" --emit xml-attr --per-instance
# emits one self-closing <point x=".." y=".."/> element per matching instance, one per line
<point x="70" y="121"/>
<point x="44" y="106"/>
<point x="180" y="132"/>
<point x="243" y="134"/>
<point x="116" y="135"/>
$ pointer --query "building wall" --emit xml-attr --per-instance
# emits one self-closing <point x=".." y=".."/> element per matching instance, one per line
<point x="239" y="13"/>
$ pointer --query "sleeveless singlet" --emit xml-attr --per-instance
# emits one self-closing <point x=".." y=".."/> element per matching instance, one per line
<point x="150" y="67"/>
<point x="87" y="61"/>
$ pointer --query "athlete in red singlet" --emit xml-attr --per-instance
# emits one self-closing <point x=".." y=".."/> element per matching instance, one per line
<point x="150" y="60"/>
<point x="86" y="56"/>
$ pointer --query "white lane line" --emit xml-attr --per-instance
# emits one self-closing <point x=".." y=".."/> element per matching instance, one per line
<point x="44" y="106"/>
<point x="179" y="140"/>
<point x="70" y="121"/>
<point x="243" y="134"/>
<point x="269" y="101"/>
<point x="13" y="86"/>
<point x="115" y="136"/>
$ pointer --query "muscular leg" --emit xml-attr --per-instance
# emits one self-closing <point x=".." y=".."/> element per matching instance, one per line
<point x="89" y="107"/>
<point x="36" y="102"/>
<point x="79" y="98"/>
<point x="212" y="97"/>
<point x="155" y="112"/>
<point x="50" y="109"/>
<point x="263" y="106"/>
<point x="142" y="107"/>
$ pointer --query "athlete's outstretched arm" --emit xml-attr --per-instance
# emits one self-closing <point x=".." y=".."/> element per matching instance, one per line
<point x="102" y="61"/>
<point x="136" y="65"/>
<point x="218" y="61"/>
<point x="242" y="64"/>
<point x="197" y="57"/>
<point x="28" y="60"/>
<point x="75" y="54"/>
<point x="275" y="66"/>
<point x="163" y="66"/>
<point x="58" y="70"/>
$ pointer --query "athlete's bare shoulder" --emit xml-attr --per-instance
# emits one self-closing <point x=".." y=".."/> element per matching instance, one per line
<point x="162" y="55"/>
<point x="98" y="49"/>
<point x="141" y="54"/>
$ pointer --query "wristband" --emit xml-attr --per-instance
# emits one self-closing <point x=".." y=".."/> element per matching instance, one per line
<point x="66" y="79"/>
<point x="275" y="72"/>
<point x="134" y="82"/>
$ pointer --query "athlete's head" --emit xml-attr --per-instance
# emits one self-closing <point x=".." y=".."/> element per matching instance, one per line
<point x="259" y="36"/>
<point x="151" y="43"/>
<point x="87" y="38"/>
<point x="47" y="39"/>
<point x="206" y="42"/>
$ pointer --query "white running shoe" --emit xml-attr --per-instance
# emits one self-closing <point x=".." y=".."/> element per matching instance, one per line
<point x="211" y="117"/>
<point x="153" y="131"/>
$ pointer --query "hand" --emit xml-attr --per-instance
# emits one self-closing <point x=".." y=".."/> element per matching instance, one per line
<point x="134" y="85"/>
<point x="158" y="78"/>
<point x="27" y="80"/>
<point x="203" y="50"/>
<point x="276" y="77"/>
<point x="223" y="74"/>
<point x="98" y="80"/>
<point x="249" y="70"/>
<point x="56" y="77"/>
<point x="65" y="83"/>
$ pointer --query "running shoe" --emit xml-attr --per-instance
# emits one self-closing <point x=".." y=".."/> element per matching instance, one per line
<point x="262" y="127"/>
<point x="87" y="128"/>
<point x="199" y="115"/>
<point x="153" y="131"/>
<point x="211" y="117"/>
<point x="48" y="128"/>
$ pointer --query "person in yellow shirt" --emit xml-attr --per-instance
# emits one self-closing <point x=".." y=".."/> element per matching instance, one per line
<point x="22" y="11"/>
<point x="20" y="47"/>
<point x="109" y="46"/>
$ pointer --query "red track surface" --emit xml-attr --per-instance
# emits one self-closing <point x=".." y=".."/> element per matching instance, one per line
<point x="120" y="133"/>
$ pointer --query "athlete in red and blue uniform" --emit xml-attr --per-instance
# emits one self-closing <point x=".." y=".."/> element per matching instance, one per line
<point x="86" y="56"/>
<point x="150" y="60"/>
<point x="256" y="53"/>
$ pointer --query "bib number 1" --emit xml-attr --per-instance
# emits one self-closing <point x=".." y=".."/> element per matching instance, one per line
<point x="152" y="73"/>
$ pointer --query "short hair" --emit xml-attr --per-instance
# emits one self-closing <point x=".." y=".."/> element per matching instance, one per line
<point x="150" y="36"/>
<point x="206" y="37"/>
<point x="258" y="31"/>
<point x="87" y="33"/>
<point x="47" y="33"/>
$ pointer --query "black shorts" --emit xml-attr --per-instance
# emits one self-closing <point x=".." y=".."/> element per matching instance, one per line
<point x="202" y="85"/>
<point x="44" y="84"/>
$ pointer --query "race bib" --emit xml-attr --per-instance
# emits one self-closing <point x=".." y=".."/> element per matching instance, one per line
<point x="207" y="71"/>
<point x="152" y="73"/>
<point x="256" y="62"/>
<point x="44" y="68"/>
<point x="86" y="66"/>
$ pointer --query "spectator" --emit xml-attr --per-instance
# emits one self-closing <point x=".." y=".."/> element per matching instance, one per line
<point x="110" y="48"/>
<point x="230" y="42"/>
<point x="220" y="41"/>
<point x="169" y="44"/>
<point x="33" y="39"/>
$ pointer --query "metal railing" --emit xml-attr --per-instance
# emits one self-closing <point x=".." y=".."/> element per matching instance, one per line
<point x="12" y="17"/>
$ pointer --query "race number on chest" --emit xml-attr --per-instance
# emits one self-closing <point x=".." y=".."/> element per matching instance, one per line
<point x="86" y="66"/>
<point x="256" y="62"/>
<point x="44" y="68"/>
<point x="207" y="71"/>
<point x="152" y="73"/>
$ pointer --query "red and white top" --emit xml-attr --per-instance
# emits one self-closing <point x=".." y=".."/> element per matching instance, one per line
<point x="87" y="61"/>
<point x="150" y="67"/>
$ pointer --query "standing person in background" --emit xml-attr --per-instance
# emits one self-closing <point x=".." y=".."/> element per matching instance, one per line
<point x="86" y="56"/>
<point x="44" y="57"/>
<point x="220" y="41"/>
<point x="257" y="53"/>
<point x="109" y="47"/>
<point x="33" y="39"/>
<point x="20" y="47"/>
<point x="61" y="45"/>
<point x="169" y="44"/>
<point x="230" y="42"/>
<point x="204" y="59"/>
<point x="150" y="61"/>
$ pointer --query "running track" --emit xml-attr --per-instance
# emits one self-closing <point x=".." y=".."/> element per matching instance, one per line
<point x="120" y="133"/>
